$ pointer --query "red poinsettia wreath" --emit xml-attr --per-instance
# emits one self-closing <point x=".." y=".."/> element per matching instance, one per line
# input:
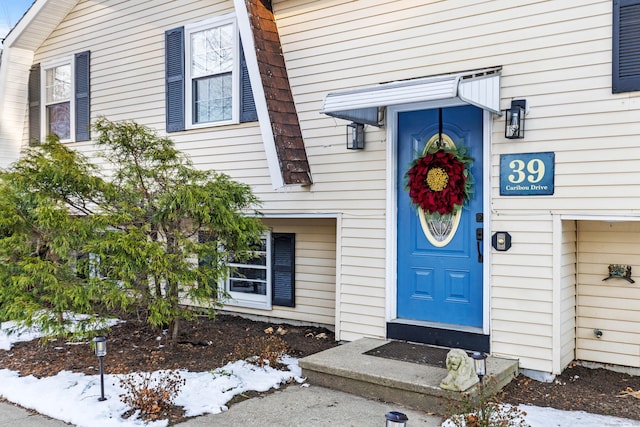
<point x="440" y="181"/>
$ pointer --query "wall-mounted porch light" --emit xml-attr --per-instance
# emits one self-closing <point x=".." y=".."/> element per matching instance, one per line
<point x="514" y="120"/>
<point x="355" y="136"/>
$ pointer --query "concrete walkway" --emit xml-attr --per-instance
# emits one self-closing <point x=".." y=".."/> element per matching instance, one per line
<point x="13" y="416"/>
<point x="293" y="406"/>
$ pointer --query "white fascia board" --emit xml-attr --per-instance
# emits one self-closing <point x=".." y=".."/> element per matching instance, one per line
<point x="396" y="93"/>
<point x="246" y="34"/>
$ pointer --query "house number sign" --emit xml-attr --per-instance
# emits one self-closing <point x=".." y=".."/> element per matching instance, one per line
<point x="527" y="174"/>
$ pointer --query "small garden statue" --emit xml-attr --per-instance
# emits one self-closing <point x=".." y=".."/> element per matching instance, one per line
<point x="461" y="374"/>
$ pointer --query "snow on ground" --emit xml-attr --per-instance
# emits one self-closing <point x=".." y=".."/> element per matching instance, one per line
<point x="549" y="417"/>
<point x="73" y="397"/>
<point x="12" y="332"/>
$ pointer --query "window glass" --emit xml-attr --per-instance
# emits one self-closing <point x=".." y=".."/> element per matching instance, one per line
<point x="249" y="279"/>
<point x="212" y="99"/>
<point x="59" y="83"/>
<point x="212" y="51"/>
<point x="59" y="120"/>
<point x="250" y="276"/>
<point x="212" y="62"/>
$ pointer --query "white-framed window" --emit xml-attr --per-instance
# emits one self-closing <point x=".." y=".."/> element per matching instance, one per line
<point x="249" y="282"/>
<point x="59" y="96"/>
<point x="265" y="279"/>
<point x="211" y="72"/>
<point x="57" y="99"/>
<point x="207" y="76"/>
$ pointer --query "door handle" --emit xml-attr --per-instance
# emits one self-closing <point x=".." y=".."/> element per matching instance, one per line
<point x="479" y="238"/>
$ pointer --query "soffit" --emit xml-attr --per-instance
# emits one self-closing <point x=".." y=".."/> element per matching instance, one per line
<point x="37" y="23"/>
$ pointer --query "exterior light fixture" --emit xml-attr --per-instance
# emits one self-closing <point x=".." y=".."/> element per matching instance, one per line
<point x="355" y="136"/>
<point x="395" y="419"/>
<point x="514" y="119"/>
<point x="480" y="364"/>
<point x="101" y="351"/>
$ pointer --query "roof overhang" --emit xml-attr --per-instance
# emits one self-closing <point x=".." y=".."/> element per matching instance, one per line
<point x="364" y="105"/>
<point x="37" y="23"/>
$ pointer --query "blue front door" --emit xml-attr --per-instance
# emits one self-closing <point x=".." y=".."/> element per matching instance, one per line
<point x="440" y="279"/>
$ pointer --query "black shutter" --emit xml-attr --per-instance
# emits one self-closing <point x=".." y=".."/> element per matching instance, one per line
<point x="174" y="75"/>
<point x="626" y="46"/>
<point x="283" y="269"/>
<point x="82" y="98"/>
<point x="34" y="104"/>
<point x="248" y="112"/>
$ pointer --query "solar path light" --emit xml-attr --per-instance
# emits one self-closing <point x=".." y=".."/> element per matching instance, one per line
<point x="101" y="351"/>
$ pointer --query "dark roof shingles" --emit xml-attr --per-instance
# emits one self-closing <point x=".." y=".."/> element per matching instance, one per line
<point x="290" y="148"/>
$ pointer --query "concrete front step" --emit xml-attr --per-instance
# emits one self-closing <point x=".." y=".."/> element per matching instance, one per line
<point x="417" y="386"/>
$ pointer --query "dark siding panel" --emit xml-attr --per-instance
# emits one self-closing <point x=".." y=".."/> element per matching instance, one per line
<point x="82" y="96"/>
<point x="174" y="73"/>
<point x="626" y="46"/>
<point x="248" y="112"/>
<point x="283" y="269"/>
<point x="34" y="104"/>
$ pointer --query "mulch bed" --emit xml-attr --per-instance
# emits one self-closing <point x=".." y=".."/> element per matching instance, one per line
<point x="133" y="346"/>
<point x="203" y="345"/>
<point x="579" y="388"/>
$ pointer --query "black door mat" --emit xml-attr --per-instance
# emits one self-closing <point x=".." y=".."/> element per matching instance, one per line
<point x="411" y="352"/>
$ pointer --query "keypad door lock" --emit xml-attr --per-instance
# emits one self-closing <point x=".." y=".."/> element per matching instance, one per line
<point x="501" y="241"/>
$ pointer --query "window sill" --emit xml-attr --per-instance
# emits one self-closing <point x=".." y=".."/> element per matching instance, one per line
<point x="260" y="305"/>
<point x="210" y="124"/>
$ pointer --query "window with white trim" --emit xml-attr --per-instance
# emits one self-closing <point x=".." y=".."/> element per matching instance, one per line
<point x="59" y="101"/>
<point x="58" y="85"/>
<point x="207" y="81"/>
<point x="211" y="72"/>
<point x="265" y="279"/>
<point x="248" y="281"/>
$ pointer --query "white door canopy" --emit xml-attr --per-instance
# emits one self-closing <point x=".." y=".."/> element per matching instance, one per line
<point x="365" y="105"/>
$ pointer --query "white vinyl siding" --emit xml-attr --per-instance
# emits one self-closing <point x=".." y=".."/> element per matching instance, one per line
<point x="14" y="129"/>
<point x="557" y="55"/>
<point x="612" y="306"/>
<point x="362" y="301"/>
<point x="521" y="292"/>
<point x="315" y="278"/>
